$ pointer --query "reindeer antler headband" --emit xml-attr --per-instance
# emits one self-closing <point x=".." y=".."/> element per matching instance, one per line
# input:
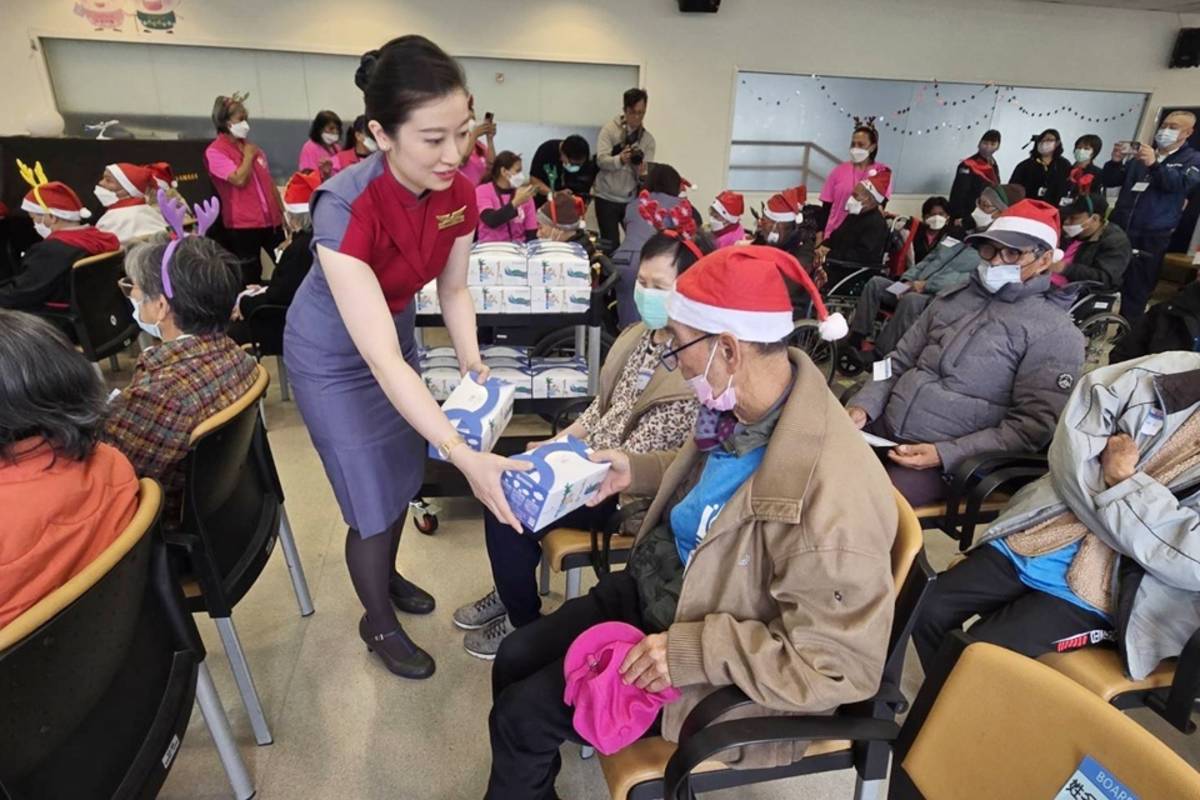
<point x="174" y="212"/>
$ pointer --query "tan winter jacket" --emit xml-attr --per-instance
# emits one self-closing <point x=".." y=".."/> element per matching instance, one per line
<point x="789" y="596"/>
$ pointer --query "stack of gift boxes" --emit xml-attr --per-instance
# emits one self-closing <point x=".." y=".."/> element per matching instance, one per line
<point x="539" y="378"/>
<point x="535" y="278"/>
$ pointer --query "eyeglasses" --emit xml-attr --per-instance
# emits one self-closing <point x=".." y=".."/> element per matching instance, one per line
<point x="1009" y="255"/>
<point x="670" y="359"/>
<point x="126" y="287"/>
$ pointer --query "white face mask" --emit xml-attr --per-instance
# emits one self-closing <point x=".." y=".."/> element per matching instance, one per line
<point x="518" y="179"/>
<point x="996" y="278"/>
<point x="239" y="130"/>
<point x="859" y="155"/>
<point x="935" y="222"/>
<point x="152" y="328"/>
<point x="718" y="224"/>
<point x="330" y="138"/>
<point x="1047" y="147"/>
<point x="1083" y="154"/>
<point x="369" y="144"/>
<point x="854" y="206"/>
<point x="1072" y="230"/>
<point x="1166" y="137"/>
<point x="773" y="237"/>
<point x="42" y="229"/>
<point x="106" y="196"/>
<point x="982" y="218"/>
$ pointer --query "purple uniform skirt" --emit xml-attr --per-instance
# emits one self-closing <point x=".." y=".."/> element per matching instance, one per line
<point x="373" y="457"/>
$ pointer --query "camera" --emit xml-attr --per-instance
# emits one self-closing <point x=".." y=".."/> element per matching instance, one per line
<point x="636" y="157"/>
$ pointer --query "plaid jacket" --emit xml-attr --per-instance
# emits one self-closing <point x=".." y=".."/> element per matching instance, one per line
<point x="176" y="386"/>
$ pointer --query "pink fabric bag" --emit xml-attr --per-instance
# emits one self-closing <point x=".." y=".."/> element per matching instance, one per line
<point x="608" y="714"/>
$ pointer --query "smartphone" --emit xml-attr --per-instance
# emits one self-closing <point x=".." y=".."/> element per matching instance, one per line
<point x="1132" y="147"/>
<point x="488" y="117"/>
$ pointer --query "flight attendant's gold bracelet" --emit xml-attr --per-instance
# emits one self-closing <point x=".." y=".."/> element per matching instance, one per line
<point x="445" y="447"/>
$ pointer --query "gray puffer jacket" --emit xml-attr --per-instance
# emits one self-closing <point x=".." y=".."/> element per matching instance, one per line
<point x="981" y="371"/>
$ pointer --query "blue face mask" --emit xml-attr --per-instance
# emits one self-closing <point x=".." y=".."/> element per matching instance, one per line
<point x="572" y="168"/>
<point x="652" y="305"/>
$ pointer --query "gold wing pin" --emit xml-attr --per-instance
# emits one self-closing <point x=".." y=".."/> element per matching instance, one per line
<point x="453" y="218"/>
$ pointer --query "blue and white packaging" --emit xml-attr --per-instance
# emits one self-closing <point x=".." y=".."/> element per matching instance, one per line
<point x="491" y="300"/>
<point x="427" y="299"/>
<point x="442" y="351"/>
<point x="479" y="412"/>
<point x="487" y="263"/>
<point x="520" y="378"/>
<point x="562" y="480"/>
<point x="515" y="273"/>
<point x="442" y="381"/>
<point x="504" y="351"/>
<point x="476" y="298"/>
<point x="1090" y="779"/>
<point x="547" y="299"/>
<point x="564" y="263"/>
<point x="515" y="299"/>
<point x="438" y="362"/>
<point x="496" y="362"/>
<point x="560" y="381"/>
<point x="545" y="272"/>
<point x="578" y="300"/>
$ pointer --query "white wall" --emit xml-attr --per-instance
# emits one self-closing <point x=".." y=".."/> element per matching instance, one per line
<point x="688" y="61"/>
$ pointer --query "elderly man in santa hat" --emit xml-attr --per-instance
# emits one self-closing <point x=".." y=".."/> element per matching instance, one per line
<point x="58" y="217"/>
<point x="987" y="366"/>
<point x="860" y="240"/>
<point x="122" y="191"/>
<point x="764" y="561"/>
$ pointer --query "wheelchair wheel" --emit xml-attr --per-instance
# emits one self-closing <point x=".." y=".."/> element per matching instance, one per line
<point x="847" y="365"/>
<point x="807" y="337"/>
<point x="1101" y="333"/>
<point x="562" y="343"/>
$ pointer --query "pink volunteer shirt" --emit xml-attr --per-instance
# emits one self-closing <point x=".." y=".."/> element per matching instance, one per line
<point x="221" y="166"/>
<point x="840" y="185"/>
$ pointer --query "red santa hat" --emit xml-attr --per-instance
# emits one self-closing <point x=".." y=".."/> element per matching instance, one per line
<point x="55" y="198"/>
<point x="730" y="206"/>
<point x="741" y="290"/>
<point x="785" y="206"/>
<point x="164" y="176"/>
<point x="1024" y="225"/>
<point x="878" y="182"/>
<point x="299" y="190"/>
<point x="134" y="178"/>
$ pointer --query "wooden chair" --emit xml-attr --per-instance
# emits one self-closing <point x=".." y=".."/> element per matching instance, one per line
<point x="233" y="513"/>
<point x="989" y="723"/>
<point x="98" y="314"/>
<point x="858" y="736"/>
<point x="98" y="678"/>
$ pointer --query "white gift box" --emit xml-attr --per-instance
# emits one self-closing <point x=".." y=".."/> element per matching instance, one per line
<point x="558" y="264"/>
<point x="560" y="381"/>
<point x="516" y="299"/>
<point x="479" y="412"/>
<point x="578" y="301"/>
<point x="562" y="480"/>
<point x="548" y="299"/>
<point x="476" y="298"/>
<point x="489" y="262"/>
<point x="438" y="352"/>
<point x="442" y="381"/>
<point x="496" y="362"/>
<point x="491" y="300"/>
<point x="515" y="272"/>
<point x="545" y="271"/>
<point x="427" y="299"/>
<point x="439" y="362"/>
<point x="504" y="351"/>
<point x="520" y="378"/>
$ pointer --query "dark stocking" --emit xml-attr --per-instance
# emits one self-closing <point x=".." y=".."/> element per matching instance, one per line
<point x="370" y="572"/>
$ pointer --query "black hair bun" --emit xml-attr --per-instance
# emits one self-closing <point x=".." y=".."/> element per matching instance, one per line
<point x="366" y="66"/>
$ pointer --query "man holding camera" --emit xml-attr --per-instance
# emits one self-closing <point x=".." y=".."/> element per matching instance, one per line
<point x="622" y="151"/>
<point x="1155" y="184"/>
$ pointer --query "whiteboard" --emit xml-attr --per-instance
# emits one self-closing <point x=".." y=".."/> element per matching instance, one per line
<point x="790" y="127"/>
<point x="168" y="91"/>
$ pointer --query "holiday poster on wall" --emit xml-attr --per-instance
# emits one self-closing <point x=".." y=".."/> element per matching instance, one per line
<point x="142" y="16"/>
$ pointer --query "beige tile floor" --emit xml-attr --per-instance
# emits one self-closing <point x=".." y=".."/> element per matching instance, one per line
<point x="346" y="728"/>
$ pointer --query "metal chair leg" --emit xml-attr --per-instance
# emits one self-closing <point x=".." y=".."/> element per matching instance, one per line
<point x="292" y="556"/>
<point x="218" y="727"/>
<point x="99" y="371"/>
<point x="544" y="576"/>
<point x="285" y="393"/>
<point x="262" y="411"/>
<point x="868" y="790"/>
<point x="573" y="579"/>
<point x="245" y="681"/>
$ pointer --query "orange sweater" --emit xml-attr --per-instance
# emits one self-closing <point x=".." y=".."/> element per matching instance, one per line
<point x="59" y="515"/>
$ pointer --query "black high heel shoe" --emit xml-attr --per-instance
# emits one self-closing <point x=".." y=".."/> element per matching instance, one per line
<point x="397" y="652"/>
<point x="410" y="598"/>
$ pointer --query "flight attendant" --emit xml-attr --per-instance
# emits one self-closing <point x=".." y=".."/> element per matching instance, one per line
<point x="401" y="218"/>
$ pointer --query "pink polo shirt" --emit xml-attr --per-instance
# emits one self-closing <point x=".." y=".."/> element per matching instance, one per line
<point x="312" y="154"/>
<point x="476" y="166"/>
<point x="840" y="185"/>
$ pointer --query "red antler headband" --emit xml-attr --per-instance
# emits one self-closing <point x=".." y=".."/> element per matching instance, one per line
<point x="676" y="222"/>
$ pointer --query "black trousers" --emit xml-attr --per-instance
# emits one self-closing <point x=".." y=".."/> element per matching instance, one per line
<point x="1142" y="275"/>
<point x="529" y="720"/>
<point x="610" y="217"/>
<point x="1011" y="614"/>
<point x="245" y="244"/>
<point x="515" y="556"/>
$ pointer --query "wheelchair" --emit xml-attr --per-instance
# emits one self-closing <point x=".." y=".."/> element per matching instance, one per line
<point x="1102" y="327"/>
<point x="841" y="292"/>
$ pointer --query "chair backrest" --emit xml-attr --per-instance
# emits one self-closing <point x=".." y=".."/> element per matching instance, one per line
<point x="266" y="329"/>
<point x="909" y="540"/>
<point x="102" y="316"/>
<point x="232" y="504"/>
<point x="97" y="679"/>
<point x="911" y="586"/>
<point x="992" y="723"/>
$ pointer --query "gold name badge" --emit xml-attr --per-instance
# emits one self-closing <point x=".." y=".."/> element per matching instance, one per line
<point x="453" y="218"/>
